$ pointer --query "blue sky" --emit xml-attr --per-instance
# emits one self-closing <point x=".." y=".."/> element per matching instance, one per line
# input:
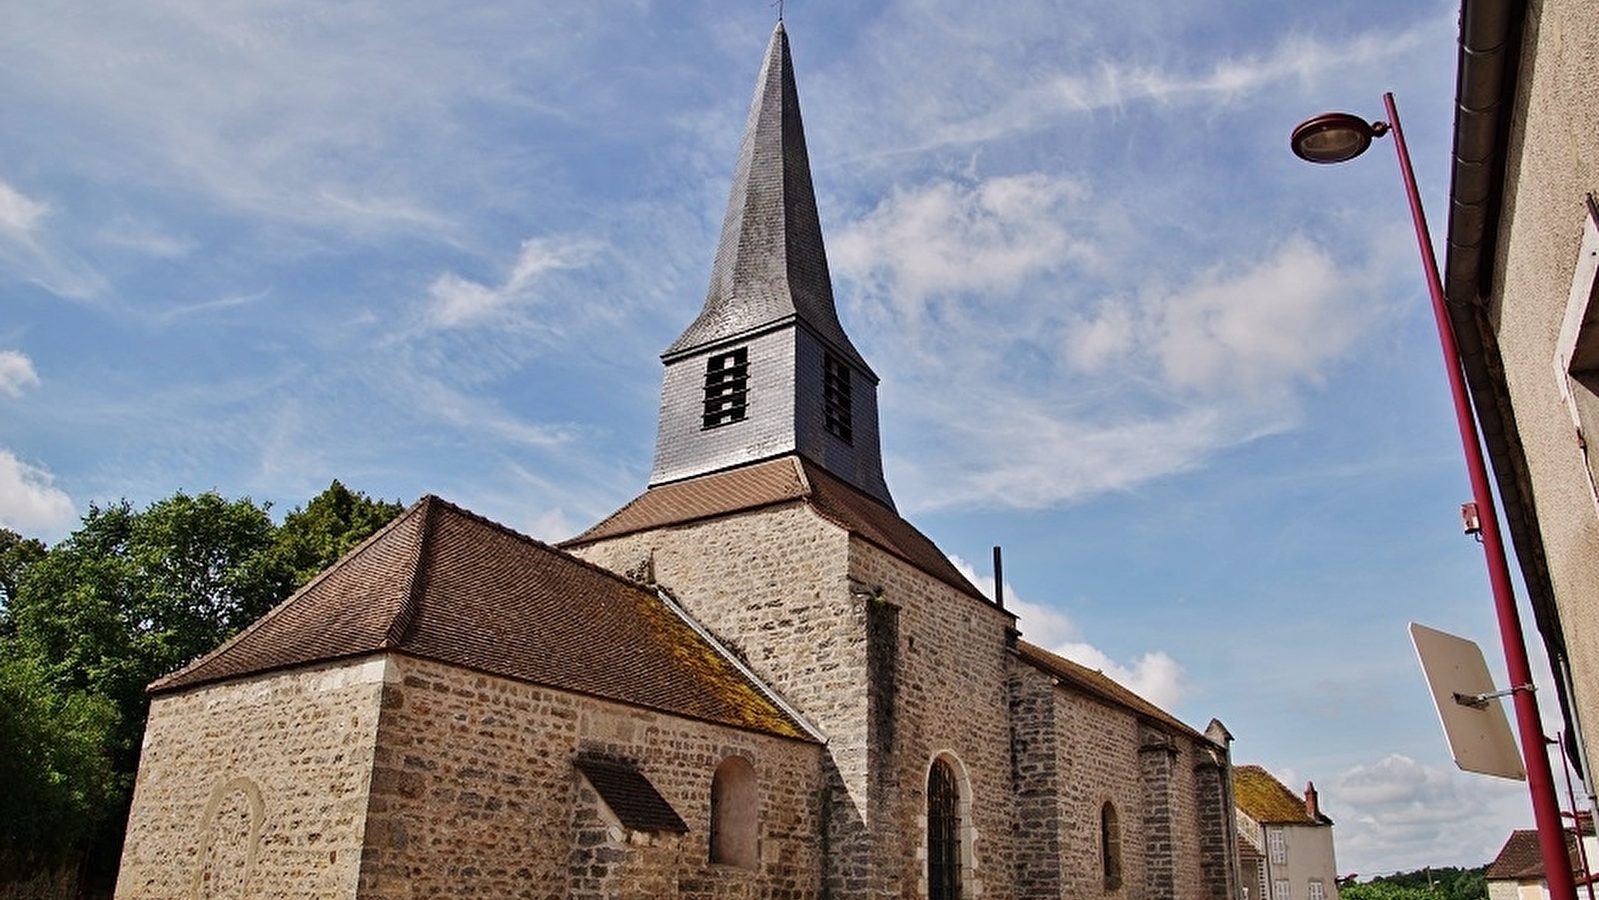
<point x="1189" y="383"/>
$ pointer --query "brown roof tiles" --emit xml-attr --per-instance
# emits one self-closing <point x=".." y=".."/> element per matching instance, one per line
<point x="444" y="584"/>
<point x="788" y="479"/>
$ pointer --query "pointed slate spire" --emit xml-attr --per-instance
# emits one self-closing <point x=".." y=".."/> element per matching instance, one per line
<point x="771" y="266"/>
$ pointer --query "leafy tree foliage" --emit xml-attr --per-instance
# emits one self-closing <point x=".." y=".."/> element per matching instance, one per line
<point x="54" y="765"/>
<point x="1444" y="883"/>
<point x="313" y="538"/>
<point x="128" y="597"/>
<point x="16" y="554"/>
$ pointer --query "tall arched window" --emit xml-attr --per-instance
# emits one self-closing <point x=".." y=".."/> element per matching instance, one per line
<point x="1110" y="846"/>
<point x="735" y="814"/>
<point x="943" y="833"/>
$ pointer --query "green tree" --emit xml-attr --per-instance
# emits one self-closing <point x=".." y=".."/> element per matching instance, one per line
<point x="17" y="553"/>
<point x="55" y="768"/>
<point x="329" y="526"/>
<point x="128" y="597"/>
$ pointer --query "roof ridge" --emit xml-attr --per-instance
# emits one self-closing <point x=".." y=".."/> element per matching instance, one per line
<point x="1088" y="678"/>
<point x="405" y="617"/>
<point x="304" y="589"/>
<point x="771" y="693"/>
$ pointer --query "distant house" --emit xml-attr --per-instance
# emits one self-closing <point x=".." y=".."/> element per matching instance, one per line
<point x="1517" y="872"/>
<point x="1285" y="844"/>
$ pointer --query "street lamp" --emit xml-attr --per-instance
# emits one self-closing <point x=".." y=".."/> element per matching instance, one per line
<point x="1337" y="137"/>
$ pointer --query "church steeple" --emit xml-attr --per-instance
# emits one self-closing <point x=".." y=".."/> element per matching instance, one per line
<point x="766" y="369"/>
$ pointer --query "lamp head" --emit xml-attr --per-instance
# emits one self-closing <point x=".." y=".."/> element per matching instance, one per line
<point x="1334" y="137"/>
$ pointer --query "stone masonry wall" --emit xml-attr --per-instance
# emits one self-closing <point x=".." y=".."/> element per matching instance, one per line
<point x="892" y="665"/>
<point x="1036" y="783"/>
<point x="474" y="794"/>
<point x="951" y="699"/>
<point x="255" y="788"/>
<point x="774" y="586"/>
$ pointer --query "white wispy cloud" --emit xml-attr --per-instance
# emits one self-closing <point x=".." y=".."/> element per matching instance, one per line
<point x="946" y="238"/>
<point x="30" y="503"/>
<point x="16" y="373"/>
<point x="33" y="255"/>
<point x="1255" y="328"/>
<point x="19" y="214"/>
<point x="1153" y="675"/>
<point x="152" y="240"/>
<point x="1046" y="394"/>
<point x="458" y="302"/>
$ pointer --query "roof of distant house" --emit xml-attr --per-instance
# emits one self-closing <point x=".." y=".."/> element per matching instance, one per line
<point x="1521" y="858"/>
<point x="1268" y="801"/>
<point x="444" y="584"/>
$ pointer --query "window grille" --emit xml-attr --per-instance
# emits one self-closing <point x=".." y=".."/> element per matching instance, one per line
<point x="943" y="833"/>
<point x="836" y="398"/>
<point x="726" y="388"/>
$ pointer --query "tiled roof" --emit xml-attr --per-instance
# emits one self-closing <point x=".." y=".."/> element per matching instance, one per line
<point x="635" y="801"/>
<point x="1097" y="684"/>
<point x="1521" y="858"/>
<point x="444" y="584"/>
<point x="771" y="265"/>
<point x="788" y="479"/>
<point x="1268" y="801"/>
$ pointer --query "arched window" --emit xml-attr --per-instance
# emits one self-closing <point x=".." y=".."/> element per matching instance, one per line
<point x="735" y="814"/>
<point x="1110" y="846"/>
<point x="943" y="833"/>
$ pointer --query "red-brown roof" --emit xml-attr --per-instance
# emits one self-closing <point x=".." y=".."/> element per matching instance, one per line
<point x="444" y="584"/>
<point x="1521" y="858"/>
<point x="1097" y="684"/>
<point x="788" y="479"/>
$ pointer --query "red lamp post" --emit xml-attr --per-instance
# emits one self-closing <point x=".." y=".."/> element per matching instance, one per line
<point x="1337" y="137"/>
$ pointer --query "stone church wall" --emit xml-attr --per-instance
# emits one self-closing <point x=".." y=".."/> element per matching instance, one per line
<point x="255" y="788"/>
<point x="773" y="585"/>
<point x="474" y="794"/>
<point x="945" y="683"/>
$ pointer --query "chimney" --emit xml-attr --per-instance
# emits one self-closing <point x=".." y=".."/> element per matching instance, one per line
<point x="1312" y="804"/>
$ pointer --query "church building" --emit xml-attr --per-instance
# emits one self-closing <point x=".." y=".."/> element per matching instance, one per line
<point x="754" y="680"/>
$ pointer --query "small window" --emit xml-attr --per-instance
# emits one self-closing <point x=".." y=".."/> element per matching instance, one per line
<point x="1280" y="890"/>
<point x="836" y="398"/>
<point x="1110" y="846"/>
<point x="735" y="814"/>
<point x="1277" y="846"/>
<point x="727" y="379"/>
<point x="1317" y="892"/>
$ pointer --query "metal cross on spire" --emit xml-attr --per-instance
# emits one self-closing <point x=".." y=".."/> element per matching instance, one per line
<point x="778" y="5"/>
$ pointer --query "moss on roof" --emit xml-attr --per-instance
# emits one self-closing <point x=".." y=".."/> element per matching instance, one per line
<point x="1267" y="800"/>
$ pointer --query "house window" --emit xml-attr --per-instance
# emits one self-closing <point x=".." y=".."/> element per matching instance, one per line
<point x="943" y="833"/>
<point x="727" y="379"/>
<point x="1277" y="846"/>
<point x="1316" y="891"/>
<point x="1110" y="846"/>
<point x="1280" y="890"/>
<point x="735" y="814"/>
<point x="836" y="398"/>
